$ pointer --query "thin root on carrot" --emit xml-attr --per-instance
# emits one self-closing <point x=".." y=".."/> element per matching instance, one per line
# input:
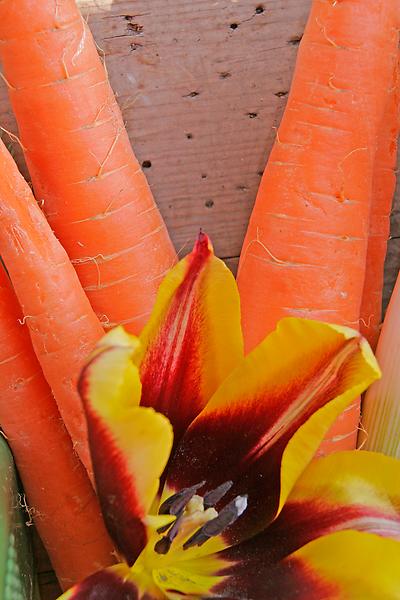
<point x="14" y="137"/>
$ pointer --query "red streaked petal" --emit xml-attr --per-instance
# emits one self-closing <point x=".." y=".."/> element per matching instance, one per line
<point x="347" y="565"/>
<point x="266" y="421"/>
<point x="344" y="491"/>
<point x="347" y="490"/>
<point x="108" y="584"/>
<point x="115" y="583"/>
<point x="130" y="445"/>
<point x="193" y="339"/>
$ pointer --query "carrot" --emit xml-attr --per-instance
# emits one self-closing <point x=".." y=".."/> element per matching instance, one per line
<point x="384" y="184"/>
<point x="61" y="499"/>
<point x="78" y="153"/>
<point x="305" y="249"/>
<point x="62" y="325"/>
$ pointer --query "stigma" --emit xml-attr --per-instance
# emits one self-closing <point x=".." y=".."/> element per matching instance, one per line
<point x="197" y="520"/>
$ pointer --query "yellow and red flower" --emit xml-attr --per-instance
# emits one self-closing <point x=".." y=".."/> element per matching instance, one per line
<point x="203" y="457"/>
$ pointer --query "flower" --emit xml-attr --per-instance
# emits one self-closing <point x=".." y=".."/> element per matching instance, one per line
<point x="203" y="457"/>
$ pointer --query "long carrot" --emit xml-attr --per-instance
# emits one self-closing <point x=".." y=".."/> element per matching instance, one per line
<point x="62" y="325"/>
<point x="59" y="494"/>
<point x="305" y="248"/>
<point x="82" y="166"/>
<point x="384" y="184"/>
<point x="383" y="187"/>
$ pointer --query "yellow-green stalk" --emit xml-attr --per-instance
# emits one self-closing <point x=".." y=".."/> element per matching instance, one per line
<point x="381" y="407"/>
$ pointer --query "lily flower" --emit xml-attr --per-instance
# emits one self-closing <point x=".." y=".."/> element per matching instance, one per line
<point x="203" y="456"/>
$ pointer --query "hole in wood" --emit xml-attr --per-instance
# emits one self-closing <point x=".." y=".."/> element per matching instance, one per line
<point x="281" y="94"/>
<point x="189" y="136"/>
<point x="135" y="28"/>
<point x="209" y="203"/>
<point x="146" y="164"/>
<point x="295" y="40"/>
<point x="259" y="9"/>
<point x="252" y="115"/>
<point x="203" y="176"/>
<point x="233" y="25"/>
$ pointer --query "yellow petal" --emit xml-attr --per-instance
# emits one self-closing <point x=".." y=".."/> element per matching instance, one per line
<point x="347" y="565"/>
<point x="130" y="445"/>
<point x="119" y="337"/>
<point x="263" y="425"/>
<point x="353" y="377"/>
<point x="193" y="339"/>
<point x="367" y="480"/>
<point x="357" y="566"/>
<point x="347" y="490"/>
<point x="114" y="378"/>
<point x="177" y="582"/>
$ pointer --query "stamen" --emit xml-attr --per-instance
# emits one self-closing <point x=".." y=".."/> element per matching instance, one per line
<point x="163" y="528"/>
<point x="194" y="512"/>
<point x="175" y="504"/>
<point x="164" y="544"/>
<point x="228" y="515"/>
<point x="214" y="496"/>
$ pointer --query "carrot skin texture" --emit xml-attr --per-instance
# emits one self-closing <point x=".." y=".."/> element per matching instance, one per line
<point x="95" y="194"/>
<point x="64" y="506"/>
<point x="61" y="322"/>
<point x="305" y="249"/>
<point x="384" y="185"/>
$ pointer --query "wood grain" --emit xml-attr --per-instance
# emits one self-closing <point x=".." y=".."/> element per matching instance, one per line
<point x="202" y="86"/>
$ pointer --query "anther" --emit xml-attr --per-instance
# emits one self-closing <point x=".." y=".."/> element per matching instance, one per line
<point x="227" y="516"/>
<point x="164" y="544"/>
<point x="214" y="496"/>
<point x="175" y="504"/>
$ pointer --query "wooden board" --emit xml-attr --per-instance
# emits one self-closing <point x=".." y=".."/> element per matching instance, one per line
<point x="202" y="85"/>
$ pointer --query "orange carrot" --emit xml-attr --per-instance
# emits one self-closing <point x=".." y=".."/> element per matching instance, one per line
<point x="384" y="184"/>
<point x="79" y="156"/>
<point x="305" y="248"/>
<point x="60" y="496"/>
<point x="62" y="325"/>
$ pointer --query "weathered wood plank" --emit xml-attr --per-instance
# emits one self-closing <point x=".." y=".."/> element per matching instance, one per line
<point x="198" y="84"/>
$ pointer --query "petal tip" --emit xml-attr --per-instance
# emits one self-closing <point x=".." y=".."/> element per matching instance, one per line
<point x="203" y="245"/>
<point x="370" y="358"/>
<point x="118" y="336"/>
